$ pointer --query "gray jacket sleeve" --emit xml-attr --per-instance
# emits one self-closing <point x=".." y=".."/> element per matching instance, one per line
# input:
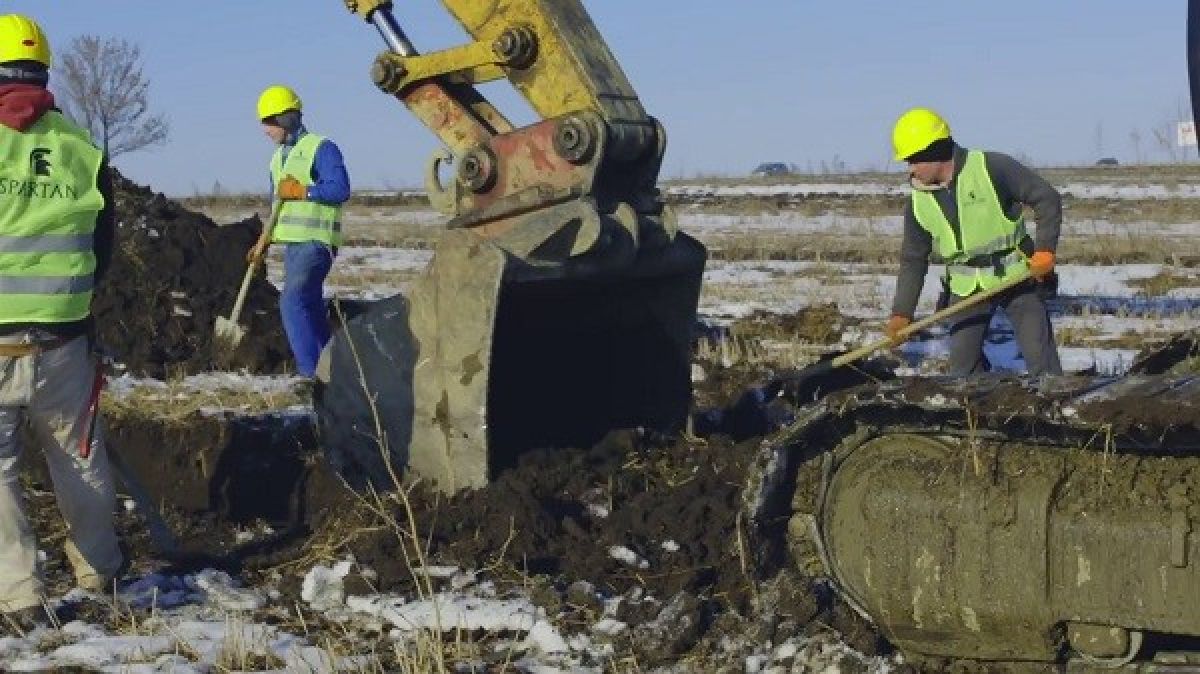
<point x="915" y="249"/>
<point x="1016" y="184"/>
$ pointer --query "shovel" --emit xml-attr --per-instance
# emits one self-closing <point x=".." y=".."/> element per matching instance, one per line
<point x="800" y="380"/>
<point x="227" y="332"/>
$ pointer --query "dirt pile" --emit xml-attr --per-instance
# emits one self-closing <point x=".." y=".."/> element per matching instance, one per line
<point x="626" y="512"/>
<point x="819" y="324"/>
<point x="173" y="272"/>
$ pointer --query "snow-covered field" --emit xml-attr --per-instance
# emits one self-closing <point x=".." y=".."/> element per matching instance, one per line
<point x="897" y="188"/>
<point x="208" y="621"/>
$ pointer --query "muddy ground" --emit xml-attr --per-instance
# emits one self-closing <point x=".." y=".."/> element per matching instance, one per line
<point x="656" y="522"/>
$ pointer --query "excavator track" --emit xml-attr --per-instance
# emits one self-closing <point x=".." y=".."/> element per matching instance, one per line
<point x="998" y="519"/>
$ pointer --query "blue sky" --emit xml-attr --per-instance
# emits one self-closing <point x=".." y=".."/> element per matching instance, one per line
<point x="736" y="83"/>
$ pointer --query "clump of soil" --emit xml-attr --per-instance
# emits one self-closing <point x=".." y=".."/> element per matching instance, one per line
<point x="173" y="273"/>
<point x="819" y="324"/>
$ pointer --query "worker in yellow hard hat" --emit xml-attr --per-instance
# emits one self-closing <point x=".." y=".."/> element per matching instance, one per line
<point x="56" y="241"/>
<point x="967" y="206"/>
<point x="308" y="176"/>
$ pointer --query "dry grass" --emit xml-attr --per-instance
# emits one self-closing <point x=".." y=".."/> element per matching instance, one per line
<point x="869" y="246"/>
<point x="1165" y="281"/>
<point x="1130" y="174"/>
<point x="365" y="279"/>
<point x="178" y="402"/>
<point x="1168" y="210"/>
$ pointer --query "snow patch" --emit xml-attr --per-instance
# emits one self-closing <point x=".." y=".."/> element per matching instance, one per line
<point x="323" y="587"/>
<point x="627" y="557"/>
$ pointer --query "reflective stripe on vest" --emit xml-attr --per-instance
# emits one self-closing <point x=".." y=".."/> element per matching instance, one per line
<point x="77" y="243"/>
<point x="304" y="220"/>
<point x="46" y="285"/>
<point x="984" y="227"/>
<point x="49" y="202"/>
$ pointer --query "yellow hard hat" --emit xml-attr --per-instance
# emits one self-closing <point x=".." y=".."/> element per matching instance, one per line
<point x="21" y="39"/>
<point x="276" y="99"/>
<point x="916" y="130"/>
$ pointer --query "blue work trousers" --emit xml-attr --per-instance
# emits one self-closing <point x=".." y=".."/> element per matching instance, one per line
<point x="302" y="305"/>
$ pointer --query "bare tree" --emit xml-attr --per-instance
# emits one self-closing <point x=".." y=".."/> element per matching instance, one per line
<point x="1135" y="137"/>
<point x="105" y="91"/>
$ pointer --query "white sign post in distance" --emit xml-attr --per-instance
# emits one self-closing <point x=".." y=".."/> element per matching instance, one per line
<point x="1185" y="134"/>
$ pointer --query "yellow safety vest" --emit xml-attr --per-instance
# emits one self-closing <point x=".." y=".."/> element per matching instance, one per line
<point x="986" y="231"/>
<point x="49" y="201"/>
<point x="304" y="220"/>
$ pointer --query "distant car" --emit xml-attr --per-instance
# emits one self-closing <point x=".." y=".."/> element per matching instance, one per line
<point x="773" y="168"/>
<point x="1107" y="161"/>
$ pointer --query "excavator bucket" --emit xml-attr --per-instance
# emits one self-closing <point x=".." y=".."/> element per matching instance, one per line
<point x="481" y="362"/>
<point x="561" y="300"/>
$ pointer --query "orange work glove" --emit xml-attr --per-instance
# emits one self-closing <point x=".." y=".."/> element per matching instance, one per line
<point x="1041" y="264"/>
<point x="290" y="189"/>
<point x="895" y="324"/>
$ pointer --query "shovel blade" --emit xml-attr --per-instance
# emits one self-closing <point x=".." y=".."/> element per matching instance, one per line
<point x="227" y="334"/>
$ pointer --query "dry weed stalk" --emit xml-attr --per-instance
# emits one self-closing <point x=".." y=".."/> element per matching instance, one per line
<point x="429" y="645"/>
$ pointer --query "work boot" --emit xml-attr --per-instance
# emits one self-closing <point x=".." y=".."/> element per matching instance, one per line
<point x="25" y="620"/>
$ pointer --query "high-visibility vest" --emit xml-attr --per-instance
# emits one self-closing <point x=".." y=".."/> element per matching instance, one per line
<point x="49" y="202"/>
<point x="989" y="252"/>
<point x="304" y="220"/>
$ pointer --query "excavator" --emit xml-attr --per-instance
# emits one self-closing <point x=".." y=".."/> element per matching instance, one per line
<point x="1049" y="523"/>
<point x="561" y="299"/>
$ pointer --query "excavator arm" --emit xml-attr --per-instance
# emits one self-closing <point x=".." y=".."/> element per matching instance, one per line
<point x="561" y="299"/>
<point x="595" y="140"/>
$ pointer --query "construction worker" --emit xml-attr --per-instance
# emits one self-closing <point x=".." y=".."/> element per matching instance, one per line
<point x="967" y="205"/>
<point x="56" y="240"/>
<point x="309" y="177"/>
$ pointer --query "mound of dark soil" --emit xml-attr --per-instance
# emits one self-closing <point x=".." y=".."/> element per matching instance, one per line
<point x="173" y="273"/>
<point x="567" y="514"/>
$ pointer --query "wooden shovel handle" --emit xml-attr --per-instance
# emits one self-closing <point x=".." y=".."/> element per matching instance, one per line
<point x="241" y="296"/>
<point x="932" y="319"/>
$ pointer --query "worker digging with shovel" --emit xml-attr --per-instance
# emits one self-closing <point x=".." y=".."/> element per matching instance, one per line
<point x="967" y="206"/>
<point x="56" y="239"/>
<point x="309" y="184"/>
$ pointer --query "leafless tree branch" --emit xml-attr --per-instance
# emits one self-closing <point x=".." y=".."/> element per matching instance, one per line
<point x="102" y="88"/>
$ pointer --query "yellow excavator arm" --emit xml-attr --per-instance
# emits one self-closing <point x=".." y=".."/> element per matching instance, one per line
<point x="554" y="56"/>
<point x="560" y="301"/>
